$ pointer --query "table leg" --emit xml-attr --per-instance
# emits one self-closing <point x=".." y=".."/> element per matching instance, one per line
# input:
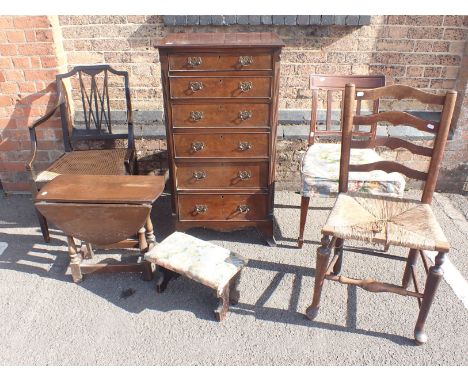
<point x="143" y="244"/>
<point x="74" y="260"/>
<point x="150" y="238"/>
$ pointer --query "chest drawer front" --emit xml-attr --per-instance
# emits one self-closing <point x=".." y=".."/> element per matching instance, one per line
<point x="223" y="207"/>
<point x="223" y="145"/>
<point x="216" y="61"/>
<point x="212" y="175"/>
<point x="221" y="115"/>
<point x="220" y="87"/>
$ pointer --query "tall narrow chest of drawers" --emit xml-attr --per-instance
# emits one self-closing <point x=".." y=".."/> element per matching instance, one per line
<point x="220" y="106"/>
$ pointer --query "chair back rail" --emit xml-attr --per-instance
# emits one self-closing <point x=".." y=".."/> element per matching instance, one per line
<point x="439" y="129"/>
<point x="332" y="84"/>
<point x="95" y="102"/>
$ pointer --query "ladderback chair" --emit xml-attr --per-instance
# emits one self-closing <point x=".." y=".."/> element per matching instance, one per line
<point x="384" y="219"/>
<point x="90" y="144"/>
<point x="320" y="164"/>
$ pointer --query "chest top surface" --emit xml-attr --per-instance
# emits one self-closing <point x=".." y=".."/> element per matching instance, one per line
<point x="221" y="40"/>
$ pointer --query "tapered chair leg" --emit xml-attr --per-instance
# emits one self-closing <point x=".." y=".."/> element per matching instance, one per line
<point x="323" y="256"/>
<point x="339" y="252"/>
<point x="433" y="281"/>
<point x="304" y="208"/>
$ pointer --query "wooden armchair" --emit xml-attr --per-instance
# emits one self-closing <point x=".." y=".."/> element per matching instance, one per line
<point x="94" y="84"/>
<point x="384" y="219"/>
<point x="320" y="164"/>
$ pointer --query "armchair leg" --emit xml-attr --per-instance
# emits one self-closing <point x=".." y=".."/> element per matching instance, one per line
<point x="433" y="281"/>
<point x="323" y="256"/>
<point x="44" y="226"/>
<point x="304" y="208"/>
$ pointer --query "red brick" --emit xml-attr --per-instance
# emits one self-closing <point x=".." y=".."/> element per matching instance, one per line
<point x="425" y="33"/>
<point x="16" y="187"/>
<point x="8" y="49"/>
<point x="41" y="48"/>
<point x="49" y="62"/>
<point x="16" y="134"/>
<point x="395" y="45"/>
<point x="423" y="46"/>
<point x="14" y="75"/>
<point x="27" y="87"/>
<point x="442" y="84"/>
<point x="7" y="123"/>
<point x="455" y="21"/>
<point x="41" y="75"/>
<point x="400" y="19"/>
<point x="440" y="46"/>
<point x="6" y="22"/>
<point x="8" y="145"/>
<point x="35" y="62"/>
<point x="12" y="166"/>
<point x="31" y="22"/>
<point x="44" y="35"/>
<point x="6" y="100"/>
<point x="8" y="87"/>
<point x="5" y="63"/>
<point x="433" y="20"/>
<point x="433" y="71"/>
<point x="15" y="36"/>
<point x="21" y="62"/>
<point x="30" y="36"/>
<point x="2" y="77"/>
<point x="396" y="32"/>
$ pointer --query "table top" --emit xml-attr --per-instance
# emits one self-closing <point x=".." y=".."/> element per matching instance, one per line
<point x="130" y="189"/>
<point x="240" y="40"/>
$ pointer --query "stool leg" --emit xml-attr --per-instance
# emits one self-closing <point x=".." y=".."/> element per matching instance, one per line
<point x="44" y="226"/>
<point x="223" y="304"/>
<point x="433" y="281"/>
<point x="74" y="260"/>
<point x="338" y="251"/>
<point x="163" y="278"/>
<point x="410" y="263"/>
<point x="304" y="208"/>
<point x="323" y="255"/>
<point x="87" y="251"/>
<point x="234" y="293"/>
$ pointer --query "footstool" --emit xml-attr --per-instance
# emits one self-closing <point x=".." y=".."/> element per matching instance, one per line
<point x="209" y="264"/>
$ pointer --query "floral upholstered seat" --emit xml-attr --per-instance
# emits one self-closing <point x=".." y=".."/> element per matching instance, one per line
<point x="321" y="167"/>
<point x="199" y="260"/>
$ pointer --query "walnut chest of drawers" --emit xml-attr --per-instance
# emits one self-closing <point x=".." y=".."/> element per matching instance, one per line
<point x="220" y="106"/>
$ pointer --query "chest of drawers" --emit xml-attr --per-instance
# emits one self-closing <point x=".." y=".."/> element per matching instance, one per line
<point x="220" y="106"/>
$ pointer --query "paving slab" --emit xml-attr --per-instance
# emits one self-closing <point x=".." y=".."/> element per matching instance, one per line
<point x="118" y="319"/>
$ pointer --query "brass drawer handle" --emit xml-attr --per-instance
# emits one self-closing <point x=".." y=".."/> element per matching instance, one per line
<point x="194" y="61"/>
<point x="197" y="146"/>
<point x="244" y="175"/>
<point x="198" y="175"/>
<point x="245" y="60"/>
<point x="243" y="146"/>
<point x="245" y="86"/>
<point x="243" y="209"/>
<point x="245" y="114"/>
<point x="196" y="86"/>
<point x="201" y="208"/>
<point x="196" y="115"/>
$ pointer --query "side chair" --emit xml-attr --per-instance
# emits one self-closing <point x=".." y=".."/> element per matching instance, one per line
<point x="384" y="219"/>
<point x="95" y="87"/>
<point x="320" y="164"/>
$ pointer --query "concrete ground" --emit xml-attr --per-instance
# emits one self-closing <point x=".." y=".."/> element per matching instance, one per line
<point x="118" y="319"/>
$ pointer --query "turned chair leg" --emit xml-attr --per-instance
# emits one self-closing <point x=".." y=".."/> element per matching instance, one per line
<point x="150" y="238"/>
<point x="432" y="282"/>
<point x="304" y="208"/>
<point x="44" y="226"/>
<point x="323" y="256"/>
<point x="142" y="243"/>
<point x="74" y="260"/>
<point x="339" y="252"/>
<point x="410" y="264"/>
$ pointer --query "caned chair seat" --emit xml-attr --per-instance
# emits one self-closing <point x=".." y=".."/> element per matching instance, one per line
<point x="321" y="167"/>
<point x="385" y="220"/>
<point x="86" y="162"/>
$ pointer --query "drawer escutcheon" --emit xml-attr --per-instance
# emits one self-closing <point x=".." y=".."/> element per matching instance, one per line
<point x="244" y="175"/>
<point x="245" y="60"/>
<point x="196" y="115"/>
<point x="198" y="175"/>
<point x="243" y="208"/>
<point x="245" y="86"/>
<point x="194" y="61"/>
<point x="201" y="208"/>
<point x="245" y="114"/>
<point x="196" y="85"/>
<point x="243" y="146"/>
<point x="197" y="146"/>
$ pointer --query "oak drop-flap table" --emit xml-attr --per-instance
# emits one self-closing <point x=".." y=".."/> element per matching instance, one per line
<point x="104" y="211"/>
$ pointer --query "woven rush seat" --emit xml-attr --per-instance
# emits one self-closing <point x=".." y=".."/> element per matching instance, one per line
<point x="209" y="264"/>
<point x="90" y="162"/>
<point x="321" y="167"/>
<point x="386" y="220"/>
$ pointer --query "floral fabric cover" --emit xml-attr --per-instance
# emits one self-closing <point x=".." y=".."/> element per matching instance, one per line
<point x="199" y="260"/>
<point x="321" y="168"/>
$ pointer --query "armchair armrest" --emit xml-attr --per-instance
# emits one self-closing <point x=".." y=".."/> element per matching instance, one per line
<point x="130" y="161"/>
<point x="33" y="137"/>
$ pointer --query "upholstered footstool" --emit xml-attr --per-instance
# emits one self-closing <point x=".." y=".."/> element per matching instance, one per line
<point x="201" y="261"/>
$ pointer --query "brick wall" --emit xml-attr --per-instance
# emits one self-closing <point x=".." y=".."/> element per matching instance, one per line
<point x="29" y="61"/>
<point x="422" y="51"/>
